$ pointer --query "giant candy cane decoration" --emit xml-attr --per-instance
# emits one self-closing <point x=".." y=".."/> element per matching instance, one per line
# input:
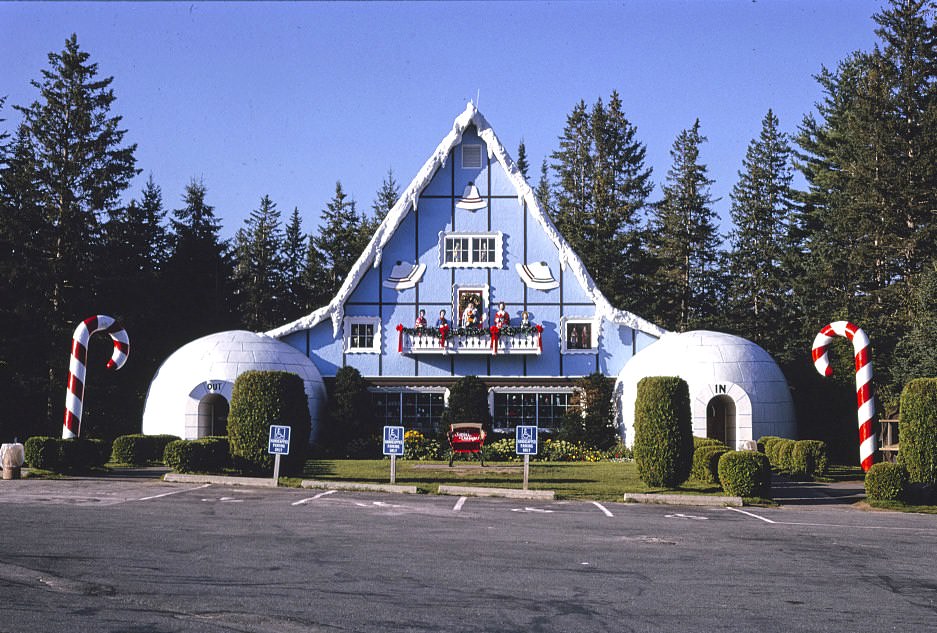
<point x="864" y="397"/>
<point x="76" y="368"/>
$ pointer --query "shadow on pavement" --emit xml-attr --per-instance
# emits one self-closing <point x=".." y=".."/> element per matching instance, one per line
<point x="812" y="493"/>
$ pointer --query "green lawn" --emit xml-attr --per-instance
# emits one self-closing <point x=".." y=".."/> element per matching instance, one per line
<point x="600" y="481"/>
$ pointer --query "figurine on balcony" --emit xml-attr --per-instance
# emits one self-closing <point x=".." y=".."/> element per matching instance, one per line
<point x="441" y="321"/>
<point x="470" y="315"/>
<point x="442" y="325"/>
<point x="420" y="323"/>
<point x="502" y="318"/>
<point x="525" y="319"/>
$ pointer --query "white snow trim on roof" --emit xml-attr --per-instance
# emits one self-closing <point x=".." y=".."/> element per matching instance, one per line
<point x="409" y="200"/>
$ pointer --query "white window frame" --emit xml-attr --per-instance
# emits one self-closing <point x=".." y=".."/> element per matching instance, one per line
<point x="534" y="390"/>
<point x="481" y="156"/>
<point x="483" y="309"/>
<point x="497" y="263"/>
<point x="595" y="324"/>
<point x="362" y="320"/>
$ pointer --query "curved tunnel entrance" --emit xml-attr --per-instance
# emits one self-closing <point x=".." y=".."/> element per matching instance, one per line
<point x="720" y="419"/>
<point x="212" y="415"/>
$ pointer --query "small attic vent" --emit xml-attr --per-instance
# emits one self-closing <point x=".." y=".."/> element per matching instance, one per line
<point x="471" y="157"/>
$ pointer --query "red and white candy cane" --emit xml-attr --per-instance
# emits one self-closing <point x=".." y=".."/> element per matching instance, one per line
<point x="864" y="397"/>
<point x="76" y="368"/>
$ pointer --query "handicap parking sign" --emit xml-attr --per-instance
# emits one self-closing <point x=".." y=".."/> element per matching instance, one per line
<point x="279" y="440"/>
<point x="525" y="440"/>
<point x="393" y="440"/>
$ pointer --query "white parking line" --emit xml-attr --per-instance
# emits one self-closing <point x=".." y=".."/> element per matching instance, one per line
<point x="602" y="508"/>
<point x="174" y="492"/>
<point x="751" y="514"/>
<point x="318" y="496"/>
<point x="459" y="504"/>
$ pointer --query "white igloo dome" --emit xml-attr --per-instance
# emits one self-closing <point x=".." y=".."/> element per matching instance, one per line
<point x="737" y="391"/>
<point x="190" y="393"/>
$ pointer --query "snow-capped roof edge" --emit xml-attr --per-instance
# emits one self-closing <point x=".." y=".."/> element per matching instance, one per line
<point x="409" y="199"/>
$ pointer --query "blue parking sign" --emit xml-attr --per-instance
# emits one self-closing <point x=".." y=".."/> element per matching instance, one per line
<point x="525" y="440"/>
<point x="279" y="440"/>
<point x="393" y="440"/>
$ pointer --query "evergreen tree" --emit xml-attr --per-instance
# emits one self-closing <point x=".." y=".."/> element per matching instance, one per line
<point x="334" y="249"/>
<point x="69" y="168"/>
<point x="295" y="246"/>
<point x="602" y="188"/>
<point x="387" y="197"/>
<point x="763" y="211"/>
<point x="685" y="240"/>
<point x="198" y="269"/>
<point x="914" y="354"/>
<point x="543" y="192"/>
<point x="259" y="279"/>
<point x="522" y="165"/>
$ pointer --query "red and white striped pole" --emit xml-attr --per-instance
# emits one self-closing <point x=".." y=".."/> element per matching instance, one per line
<point x="76" y="368"/>
<point x="864" y="396"/>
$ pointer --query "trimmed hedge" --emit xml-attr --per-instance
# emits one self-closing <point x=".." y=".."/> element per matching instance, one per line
<point x="259" y="400"/>
<point x="782" y="455"/>
<point x="764" y="441"/>
<point x="66" y="456"/>
<point x="917" y="430"/>
<point x="140" y="450"/>
<point x="707" y="441"/>
<point x="808" y="458"/>
<point x="706" y="462"/>
<point x="886" y="482"/>
<point x="663" y="434"/>
<point x="745" y="474"/>
<point x="205" y="455"/>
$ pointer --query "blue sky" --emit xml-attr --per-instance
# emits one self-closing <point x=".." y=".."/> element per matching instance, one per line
<point x="286" y="98"/>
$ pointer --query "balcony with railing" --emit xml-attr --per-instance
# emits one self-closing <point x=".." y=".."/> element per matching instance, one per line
<point x="494" y="341"/>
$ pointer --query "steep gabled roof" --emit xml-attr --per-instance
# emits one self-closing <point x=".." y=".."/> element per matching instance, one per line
<point x="371" y="256"/>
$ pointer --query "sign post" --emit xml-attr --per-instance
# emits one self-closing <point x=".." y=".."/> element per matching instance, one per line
<point x="393" y="446"/>
<point x="279" y="444"/>
<point x="525" y="441"/>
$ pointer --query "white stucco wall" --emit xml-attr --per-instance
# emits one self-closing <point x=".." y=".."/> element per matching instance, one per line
<point x="713" y="364"/>
<point x="210" y="365"/>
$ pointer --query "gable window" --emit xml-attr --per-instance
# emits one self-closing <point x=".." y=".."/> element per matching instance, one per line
<point x="579" y="335"/>
<point x="471" y="156"/>
<point x="471" y="250"/>
<point x="362" y="335"/>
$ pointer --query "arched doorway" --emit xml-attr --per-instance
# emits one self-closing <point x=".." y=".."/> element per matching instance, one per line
<point x="212" y="415"/>
<point x="720" y="419"/>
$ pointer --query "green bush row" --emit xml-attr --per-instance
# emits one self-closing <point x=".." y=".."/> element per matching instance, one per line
<point x="803" y="459"/>
<point x="917" y="431"/>
<point x="706" y="462"/>
<point x="205" y="455"/>
<point x="66" y="456"/>
<point x="140" y="450"/>
<point x="663" y="434"/>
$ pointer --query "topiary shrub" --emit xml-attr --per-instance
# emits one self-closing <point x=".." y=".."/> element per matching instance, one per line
<point x="663" y="434"/>
<point x="349" y="416"/>
<point x="782" y="455"/>
<point x="468" y="402"/>
<point x="808" y="458"/>
<point x="917" y="430"/>
<point x="886" y="482"/>
<point x="205" y="455"/>
<point x="706" y="463"/>
<point x="590" y="419"/>
<point x="764" y="440"/>
<point x="745" y="474"/>
<point x="259" y="400"/>
<point x="140" y="450"/>
<point x="42" y="452"/>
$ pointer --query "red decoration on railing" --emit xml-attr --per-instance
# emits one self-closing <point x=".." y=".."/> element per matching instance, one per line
<point x="495" y="332"/>
<point x="443" y="333"/>
<point x="539" y="336"/>
<point x="399" y="338"/>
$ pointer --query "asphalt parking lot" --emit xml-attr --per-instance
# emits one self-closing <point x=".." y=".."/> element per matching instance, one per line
<point x="148" y="556"/>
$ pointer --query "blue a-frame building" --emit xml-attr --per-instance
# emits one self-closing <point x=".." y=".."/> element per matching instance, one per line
<point x="469" y="227"/>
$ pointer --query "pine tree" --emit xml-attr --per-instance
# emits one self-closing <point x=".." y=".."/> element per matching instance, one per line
<point x="334" y="249"/>
<point x="259" y="279"/>
<point x="295" y="246"/>
<point x="387" y="197"/>
<point x="199" y="269"/>
<point x="70" y="154"/>
<point x="764" y="213"/>
<point x="600" y="193"/>
<point x="522" y="165"/>
<point x="543" y="192"/>
<point x="685" y="240"/>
